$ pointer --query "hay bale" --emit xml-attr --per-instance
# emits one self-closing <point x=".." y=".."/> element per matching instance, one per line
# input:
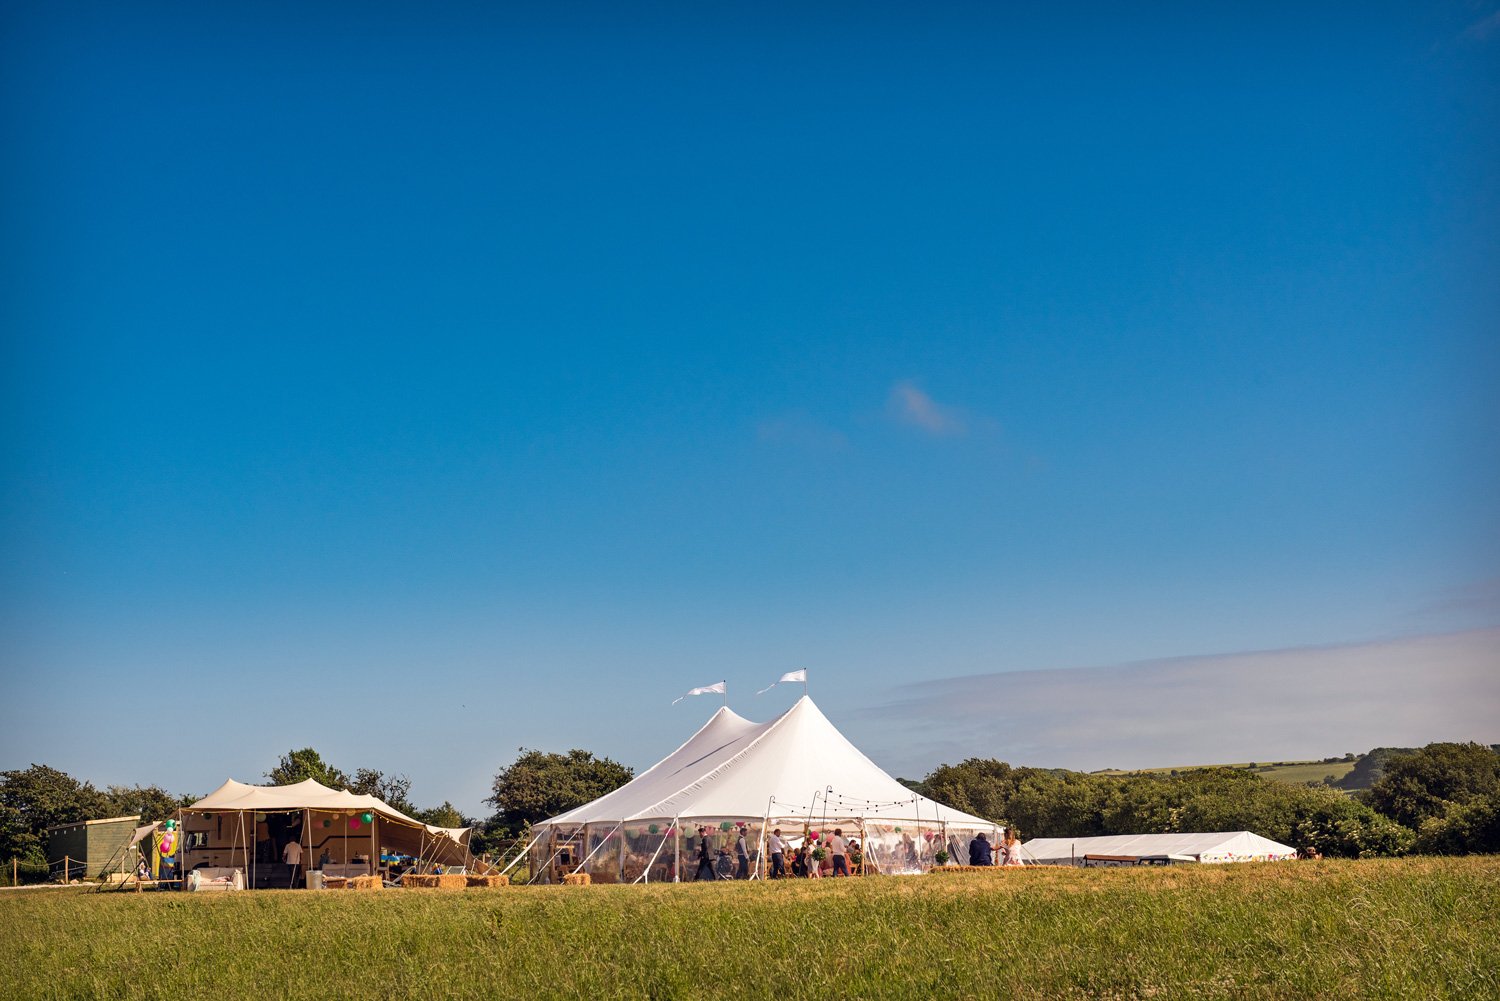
<point x="416" y="880"/>
<point x="334" y="882"/>
<point x="489" y="881"/>
<point x="364" y="883"/>
<point x="577" y="879"/>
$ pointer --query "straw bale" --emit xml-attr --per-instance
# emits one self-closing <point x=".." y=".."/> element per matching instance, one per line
<point x="364" y="883"/>
<point x="452" y="881"/>
<point x="577" y="879"/>
<point x="334" y="882"/>
<point x="489" y="880"/>
<point x="414" y="880"/>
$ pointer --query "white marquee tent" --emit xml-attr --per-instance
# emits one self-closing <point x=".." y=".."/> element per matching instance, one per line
<point x="796" y="772"/>
<point x="1227" y="846"/>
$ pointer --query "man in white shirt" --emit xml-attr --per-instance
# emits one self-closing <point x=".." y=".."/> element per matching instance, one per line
<point x="840" y="851"/>
<point x="778" y="855"/>
<point x="292" y="856"/>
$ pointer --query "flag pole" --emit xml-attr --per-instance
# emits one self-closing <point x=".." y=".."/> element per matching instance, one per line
<point x="725" y="683"/>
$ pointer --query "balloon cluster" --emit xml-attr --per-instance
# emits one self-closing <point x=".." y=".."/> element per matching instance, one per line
<point x="360" y="818"/>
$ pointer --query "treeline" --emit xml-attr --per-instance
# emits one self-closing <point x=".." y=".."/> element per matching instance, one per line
<point x="1443" y="798"/>
<point x="39" y="797"/>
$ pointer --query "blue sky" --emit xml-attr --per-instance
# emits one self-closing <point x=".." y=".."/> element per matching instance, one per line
<point x="424" y="385"/>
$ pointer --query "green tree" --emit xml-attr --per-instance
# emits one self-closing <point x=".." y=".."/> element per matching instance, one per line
<point x="1059" y="803"/>
<point x="1369" y="767"/>
<point x="540" y="785"/>
<point x="1426" y="783"/>
<point x="39" y="797"/>
<point x="1470" y="827"/>
<point x="393" y="789"/>
<point x="446" y="815"/>
<point x="150" y="802"/>
<point x="295" y="766"/>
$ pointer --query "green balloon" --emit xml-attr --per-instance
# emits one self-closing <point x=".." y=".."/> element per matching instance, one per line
<point x="724" y="825"/>
<point x="327" y="823"/>
<point x="367" y="817"/>
<point x="654" y="828"/>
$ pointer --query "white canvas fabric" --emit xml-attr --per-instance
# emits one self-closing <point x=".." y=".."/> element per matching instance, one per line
<point x="1226" y="846"/>
<point x="735" y="769"/>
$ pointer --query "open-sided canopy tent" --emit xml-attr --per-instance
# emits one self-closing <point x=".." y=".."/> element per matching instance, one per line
<point x="315" y="803"/>
<point x="1227" y="846"/>
<point x="797" y="772"/>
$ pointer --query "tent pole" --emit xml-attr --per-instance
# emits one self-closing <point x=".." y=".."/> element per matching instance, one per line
<point x="523" y="854"/>
<point x="645" y="876"/>
<point x="760" y="844"/>
<point x="676" y="852"/>
<point x="584" y="865"/>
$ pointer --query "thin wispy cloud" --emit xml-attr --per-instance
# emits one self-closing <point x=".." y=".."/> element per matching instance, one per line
<point x="799" y="430"/>
<point x="909" y="404"/>
<point x="1484" y="28"/>
<point x="1295" y="703"/>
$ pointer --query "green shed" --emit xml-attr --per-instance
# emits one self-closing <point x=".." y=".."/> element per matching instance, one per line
<point x="87" y="846"/>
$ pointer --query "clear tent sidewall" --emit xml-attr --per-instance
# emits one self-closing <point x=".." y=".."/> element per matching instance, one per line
<point x="665" y="849"/>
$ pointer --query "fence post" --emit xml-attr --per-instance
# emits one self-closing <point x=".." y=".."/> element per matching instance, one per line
<point x="67" y="864"/>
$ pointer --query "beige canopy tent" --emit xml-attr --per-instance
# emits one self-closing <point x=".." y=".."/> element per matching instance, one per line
<point x="350" y="830"/>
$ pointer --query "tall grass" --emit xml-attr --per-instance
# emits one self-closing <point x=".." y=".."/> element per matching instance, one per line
<point x="1410" y="928"/>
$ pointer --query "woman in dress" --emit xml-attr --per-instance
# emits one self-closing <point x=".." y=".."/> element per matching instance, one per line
<point x="1010" y="848"/>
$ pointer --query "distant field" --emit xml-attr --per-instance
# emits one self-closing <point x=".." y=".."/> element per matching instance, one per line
<point x="1402" y="928"/>
<point x="1296" y="772"/>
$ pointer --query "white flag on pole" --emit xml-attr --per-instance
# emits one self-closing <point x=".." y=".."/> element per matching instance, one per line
<point x="788" y="676"/>
<point x="714" y="689"/>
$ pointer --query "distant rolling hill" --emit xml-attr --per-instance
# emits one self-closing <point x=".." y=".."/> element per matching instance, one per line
<point x="1346" y="773"/>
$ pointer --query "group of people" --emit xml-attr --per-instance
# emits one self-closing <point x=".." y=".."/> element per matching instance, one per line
<point x="1008" y="852"/>
<point x="706" y="856"/>
<point x="839" y="856"/>
<point x="827" y="854"/>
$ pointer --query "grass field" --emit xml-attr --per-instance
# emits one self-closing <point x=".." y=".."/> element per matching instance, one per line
<point x="1407" y="928"/>
<point x="1295" y="772"/>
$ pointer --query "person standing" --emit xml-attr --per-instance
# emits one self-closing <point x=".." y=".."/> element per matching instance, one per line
<point x="292" y="856"/>
<point x="1010" y="848"/>
<point x="979" y="851"/>
<point x="840" y="850"/>
<point x="705" y="860"/>
<point x="742" y="855"/>
<point x="778" y="855"/>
